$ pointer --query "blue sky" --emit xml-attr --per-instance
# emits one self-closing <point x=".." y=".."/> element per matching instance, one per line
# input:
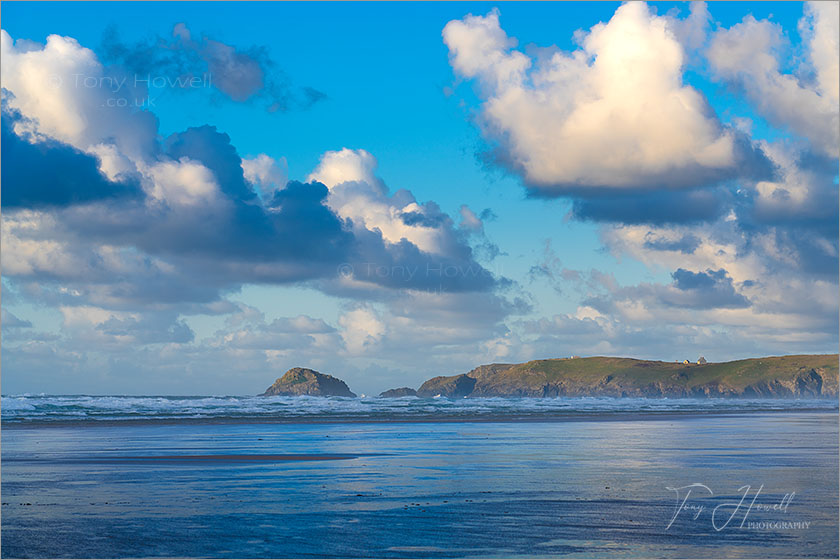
<point x="587" y="253"/>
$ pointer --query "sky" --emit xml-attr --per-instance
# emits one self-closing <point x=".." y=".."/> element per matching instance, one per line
<point x="197" y="197"/>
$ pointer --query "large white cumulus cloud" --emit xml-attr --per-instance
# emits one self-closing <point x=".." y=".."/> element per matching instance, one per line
<point x="614" y="113"/>
<point x="71" y="97"/>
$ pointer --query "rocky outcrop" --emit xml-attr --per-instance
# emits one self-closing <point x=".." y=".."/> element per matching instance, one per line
<point x="453" y="387"/>
<point x="812" y="376"/>
<point x="401" y="392"/>
<point x="302" y="381"/>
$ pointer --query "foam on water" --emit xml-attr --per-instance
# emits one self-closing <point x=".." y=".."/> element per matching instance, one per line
<point x="49" y="408"/>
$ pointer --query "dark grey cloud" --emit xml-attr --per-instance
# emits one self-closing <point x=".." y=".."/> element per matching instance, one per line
<point x="710" y="289"/>
<point x="44" y="172"/>
<point x="295" y="228"/>
<point x="423" y="219"/>
<point x="801" y="216"/>
<point x="704" y="290"/>
<point x="173" y="255"/>
<point x="404" y="266"/>
<point x="215" y="151"/>
<point x="806" y="196"/>
<point x="242" y="75"/>
<point x="814" y="250"/>
<point x="660" y="207"/>
<point x="301" y="220"/>
<point x="686" y="244"/>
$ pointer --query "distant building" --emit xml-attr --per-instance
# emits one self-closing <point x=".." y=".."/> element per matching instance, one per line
<point x="574" y="357"/>
<point x="701" y="360"/>
<point x="686" y="362"/>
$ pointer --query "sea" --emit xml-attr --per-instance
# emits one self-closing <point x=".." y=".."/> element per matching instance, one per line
<point x="86" y="476"/>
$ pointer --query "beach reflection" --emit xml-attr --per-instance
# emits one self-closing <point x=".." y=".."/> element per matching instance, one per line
<point x="574" y="488"/>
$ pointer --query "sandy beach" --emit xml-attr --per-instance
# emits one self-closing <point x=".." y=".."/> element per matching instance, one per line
<point x="426" y="489"/>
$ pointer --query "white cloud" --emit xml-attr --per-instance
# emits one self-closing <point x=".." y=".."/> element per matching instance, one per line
<point x="361" y="329"/>
<point x="28" y="251"/>
<point x="95" y="328"/>
<point x="183" y="183"/>
<point x="112" y="164"/>
<point x="469" y="220"/>
<point x="87" y="316"/>
<point x="692" y="31"/>
<point x="821" y="27"/>
<point x="40" y="80"/>
<point x="356" y="193"/>
<point x="284" y="337"/>
<point x="346" y="165"/>
<point x="66" y="94"/>
<point x="266" y="173"/>
<point x="747" y="54"/>
<point x="613" y="114"/>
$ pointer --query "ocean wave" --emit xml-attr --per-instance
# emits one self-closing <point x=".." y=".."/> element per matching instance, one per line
<point x="48" y="408"/>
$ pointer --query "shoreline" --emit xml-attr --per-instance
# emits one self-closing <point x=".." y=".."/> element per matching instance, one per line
<point x="428" y="419"/>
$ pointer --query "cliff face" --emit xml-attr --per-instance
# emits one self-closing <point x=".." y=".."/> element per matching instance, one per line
<point x="302" y="381"/>
<point x="776" y="377"/>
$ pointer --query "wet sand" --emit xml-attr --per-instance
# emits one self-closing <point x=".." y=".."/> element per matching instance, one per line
<point x="192" y="459"/>
<point x="586" y="488"/>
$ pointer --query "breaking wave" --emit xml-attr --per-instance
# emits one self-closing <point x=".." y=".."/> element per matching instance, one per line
<point x="29" y="408"/>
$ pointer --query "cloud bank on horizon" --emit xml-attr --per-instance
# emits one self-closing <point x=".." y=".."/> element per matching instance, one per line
<point x="128" y="234"/>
